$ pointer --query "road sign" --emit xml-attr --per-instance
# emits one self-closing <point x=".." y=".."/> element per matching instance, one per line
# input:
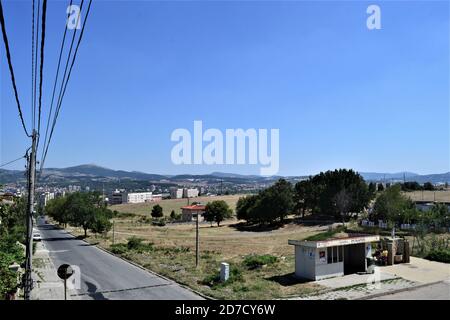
<point x="65" y="271"/>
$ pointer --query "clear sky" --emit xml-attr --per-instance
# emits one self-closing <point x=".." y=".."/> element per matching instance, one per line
<point x="340" y="94"/>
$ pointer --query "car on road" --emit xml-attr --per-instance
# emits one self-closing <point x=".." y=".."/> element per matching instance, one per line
<point x="37" y="236"/>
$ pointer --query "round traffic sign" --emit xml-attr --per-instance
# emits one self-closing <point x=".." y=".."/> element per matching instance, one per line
<point x="65" y="271"/>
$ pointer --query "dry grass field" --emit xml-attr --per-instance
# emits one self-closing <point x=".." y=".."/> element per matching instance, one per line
<point x="171" y="204"/>
<point x="429" y="195"/>
<point x="172" y="253"/>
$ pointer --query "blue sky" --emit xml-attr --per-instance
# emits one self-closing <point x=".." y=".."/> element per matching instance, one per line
<point x="340" y="94"/>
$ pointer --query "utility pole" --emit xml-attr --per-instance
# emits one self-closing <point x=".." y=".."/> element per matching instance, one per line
<point x="197" y="249"/>
<point x="28" y="281"/>
<point x="113" y="235"/>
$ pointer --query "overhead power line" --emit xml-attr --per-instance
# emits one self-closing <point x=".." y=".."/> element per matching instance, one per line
<point x="12" y="161"/>
<point x="56" y="80"/>
<point x="11" y="70"/>
<point x="44" y="15"/>
<point x="65" y="84"/>
<point x="38" y="17"/>
<point x="32" y="65"/>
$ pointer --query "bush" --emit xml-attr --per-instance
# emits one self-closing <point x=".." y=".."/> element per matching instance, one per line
<point x="134" y="243"/>
<point x="159" y="222"/>
<point x="442" y="255"/>
<point x="119" y="248"/>
<point x="257" y="261"/>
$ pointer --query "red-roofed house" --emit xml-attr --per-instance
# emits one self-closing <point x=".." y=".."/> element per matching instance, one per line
<point x="189" y="213"/>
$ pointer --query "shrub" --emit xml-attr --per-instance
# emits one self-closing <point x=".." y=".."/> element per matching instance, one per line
<point x="159" y="222"/>
<point x="118" y="248"/>
<point x="440" y="255"/>
<point x="257" y="261"/>
<point x="134" y="243"/>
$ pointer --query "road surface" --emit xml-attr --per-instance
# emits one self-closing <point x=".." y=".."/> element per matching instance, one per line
<point x="104" y="276"/>
<point x="437" y="291"/>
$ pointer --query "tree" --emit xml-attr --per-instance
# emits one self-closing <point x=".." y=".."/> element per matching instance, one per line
<point x="82" y="209"/>
<point x="86" y="210"/>
<point x="372" y="189"/>
<point x="303" y="196"/>
<point x="243" y="206"/>
<point x="217" y="211"/>
<point x="428" y="186"/>
<point x="101" y="223"/>
<point x="393" y="207"/>
<point x="327" y="185"/>
<point x="343" y="203"/>
<point x="380" y="187"/>
<point x="157" y="211"/>
<point x="273" y="203"/>
<point x="173" y="215"/>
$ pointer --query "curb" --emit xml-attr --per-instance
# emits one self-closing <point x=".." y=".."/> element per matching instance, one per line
<point x="143" y="268"/>
<point x="381" y="294"/>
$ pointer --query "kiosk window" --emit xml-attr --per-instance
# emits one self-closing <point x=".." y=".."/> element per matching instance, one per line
<point x="335" y="254"/>
<point x="341" y="253"/>
<point x="330" y="254"/>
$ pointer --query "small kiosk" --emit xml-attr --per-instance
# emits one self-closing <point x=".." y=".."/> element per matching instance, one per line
<point x="316" y="260"/>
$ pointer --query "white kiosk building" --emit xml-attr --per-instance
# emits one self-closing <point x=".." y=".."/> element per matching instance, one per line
<point x="316" y="260"/>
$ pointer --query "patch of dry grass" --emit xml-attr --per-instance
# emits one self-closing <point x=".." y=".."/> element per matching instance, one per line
<point x="443" y="195"/>
<point x="171" y="204"/>
<point x="218" y="244"/>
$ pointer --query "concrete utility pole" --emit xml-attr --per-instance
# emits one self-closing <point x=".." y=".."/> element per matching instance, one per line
<point x="197" y="249"/>
<point x="28" y="281"/>
<point x="114" y="233"/>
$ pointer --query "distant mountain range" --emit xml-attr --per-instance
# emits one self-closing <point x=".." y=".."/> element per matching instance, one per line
<point x="91" y="172"/>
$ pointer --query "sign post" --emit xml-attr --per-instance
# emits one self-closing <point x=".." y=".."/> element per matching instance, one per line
<point x="65" y="271"/>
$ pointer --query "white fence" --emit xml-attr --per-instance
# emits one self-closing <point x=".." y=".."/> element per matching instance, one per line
<point x="383" y="225"/>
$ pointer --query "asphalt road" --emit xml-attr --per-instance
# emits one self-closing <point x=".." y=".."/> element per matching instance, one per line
<point x="436" y="291"/>
<point x="104" y="276"/>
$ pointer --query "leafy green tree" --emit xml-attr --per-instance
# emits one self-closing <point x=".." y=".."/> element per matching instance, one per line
<point x="343" y="203"/>
<point x="273" y="203"/>
<point x="101" y="222"/>
<point x="380" y="187"/>
<point x="57" y="209"/>
<point x="328" y="184"/>
<point x="243" y="206"/>
<point x="428" y="186"/>
<point x="372" y="189"/>
<point x="393" y="207"/>
<point x="217" y="211"/>
<point x="157" y="211"/>
<point x="440" y="216"/>
<point x="173" y="215"/>
<point x="304" y="196"/>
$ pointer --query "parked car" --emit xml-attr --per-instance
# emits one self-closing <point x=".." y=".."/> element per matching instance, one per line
<point x="37" y="236"/>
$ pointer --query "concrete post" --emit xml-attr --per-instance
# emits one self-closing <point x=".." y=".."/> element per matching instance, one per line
<point x="224" y="271"/>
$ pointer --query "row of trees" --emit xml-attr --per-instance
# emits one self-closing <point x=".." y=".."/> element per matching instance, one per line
<point x="415" y="186"/>
<point x="334" y="193"/>
<point x="395" y="208"/>
<point x="86" y="210"/>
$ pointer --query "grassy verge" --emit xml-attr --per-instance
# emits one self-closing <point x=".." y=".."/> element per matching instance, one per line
<point x="251" y="277"/>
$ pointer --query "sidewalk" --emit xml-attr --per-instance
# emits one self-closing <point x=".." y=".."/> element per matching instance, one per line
<point x="48" y="286"/>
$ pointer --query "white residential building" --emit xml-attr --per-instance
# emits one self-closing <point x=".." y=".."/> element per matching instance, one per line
<point x="176" y="193"/>
<point x="136" y="197"/>
<point x="190" y="193"/>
